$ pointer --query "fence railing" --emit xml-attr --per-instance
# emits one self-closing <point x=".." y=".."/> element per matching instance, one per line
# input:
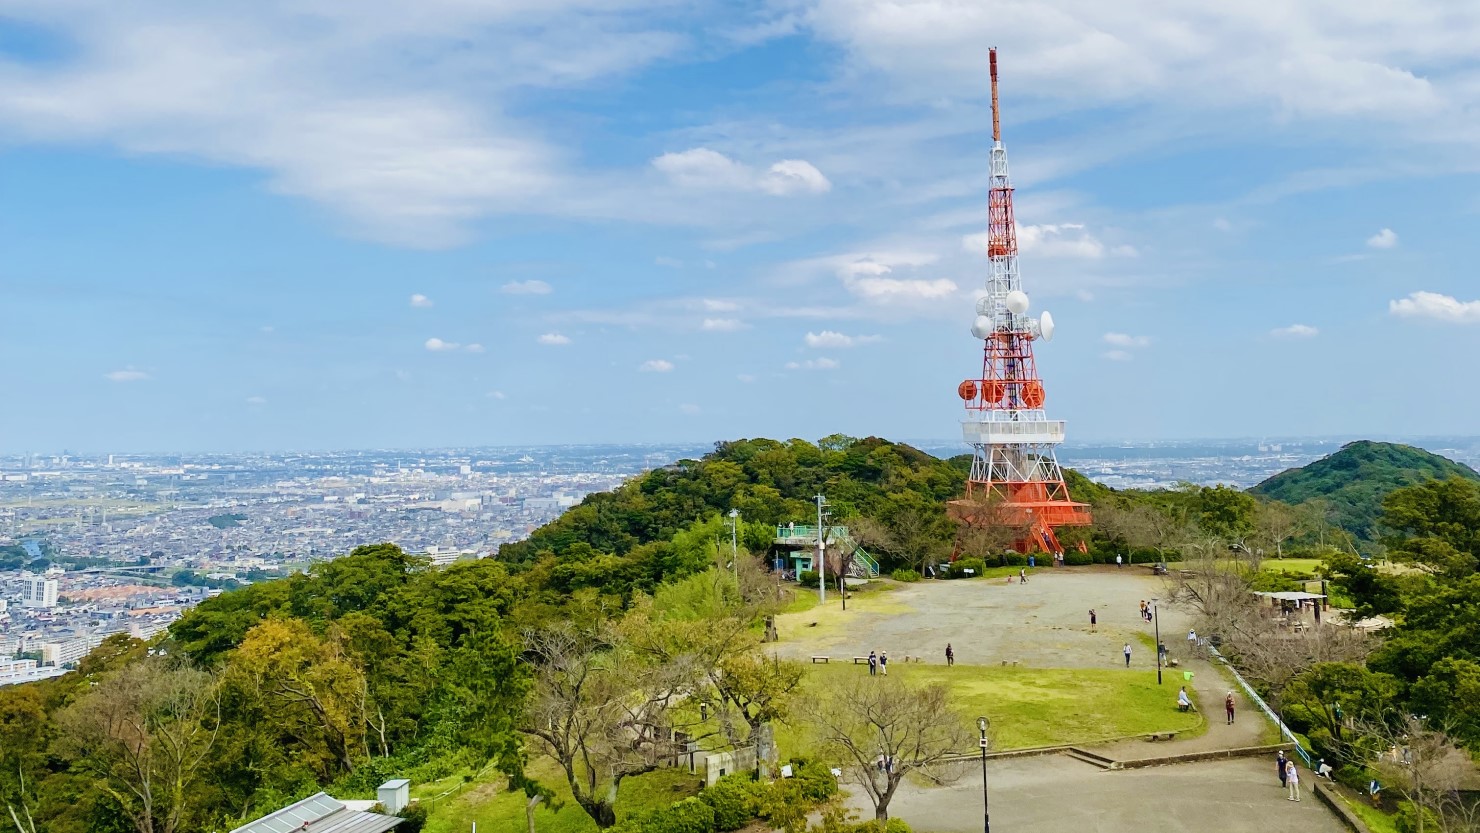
<point x="1263" y="706"/>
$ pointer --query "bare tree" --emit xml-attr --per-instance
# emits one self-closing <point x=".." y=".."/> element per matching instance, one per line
<point x="1427" y="768"/>
<point x="1213" y="588"/>
<point x="987" y="524"/>
<point x="601" y="711"/>
<point x="1271" y="657"/>
<point x="142" y="734"/>
<point x="880" y="730"/>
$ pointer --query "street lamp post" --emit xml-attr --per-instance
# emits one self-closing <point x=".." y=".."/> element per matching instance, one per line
<point x="821" y="555"/>
<point x="982" y="723"/>
<point x="1156" y="618"/>
<point x="735" y="543"/>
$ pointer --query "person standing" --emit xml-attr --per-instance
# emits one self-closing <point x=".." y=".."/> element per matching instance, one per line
<point x="1118" y="563"/>
<point x="1228" y="707"/>
<point x="1292" y="777"/>
<point x="1279" y="766"/>
<point x="1127" y="655"/>
<point x="950" y="656"/>
<point x="873" y="663"/>
<point x="884" y="663"/>
<point x="1092" y="619"/>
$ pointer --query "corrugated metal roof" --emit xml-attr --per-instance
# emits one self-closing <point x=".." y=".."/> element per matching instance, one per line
<point x="319" y="814"/>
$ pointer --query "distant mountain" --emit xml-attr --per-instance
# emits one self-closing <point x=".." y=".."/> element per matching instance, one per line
<point x="1355" y="480"/>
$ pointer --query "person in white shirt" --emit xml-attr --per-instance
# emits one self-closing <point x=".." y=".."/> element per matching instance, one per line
<point x="1323" y="770"/>
<point x="1183" y="704"/>
<point x="1292" y="778"/>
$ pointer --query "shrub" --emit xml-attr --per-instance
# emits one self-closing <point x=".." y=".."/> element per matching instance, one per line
<point x="1015" y="559"/>
<point x="892" y="826"/>
<point x="905" y="575"/>
<point x="735" y="800"/>
<point x="814" y="780"/>
<point x="415" y="816"/>
<point x="1171" y="555"/>
<point x="976" y="565"/>
<point x="688" y="816"/>
<point x="1407" y="819"/>
<point x="808" y="578"/>
<point x="1075" y="558"/>
<point x="1144" y="555"/>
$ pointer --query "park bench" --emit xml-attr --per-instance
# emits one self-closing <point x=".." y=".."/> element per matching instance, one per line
<point x="820" y="659"/>
<point x="860" y="660"/>
<point x="1011" y="662"/>
<point x="1155" y="736"/>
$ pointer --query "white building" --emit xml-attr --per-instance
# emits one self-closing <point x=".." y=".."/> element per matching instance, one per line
<point x="38" y="591"/>
<point x="70" y="652"/>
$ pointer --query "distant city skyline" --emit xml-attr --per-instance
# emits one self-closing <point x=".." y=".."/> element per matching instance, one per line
<point x="236" y="226"/>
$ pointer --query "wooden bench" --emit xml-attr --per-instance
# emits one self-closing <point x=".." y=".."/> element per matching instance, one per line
<point x="1156" y="736"/>
<point x="860" y="660"/>
<point x="820" y="659"/>
<point x="1011" y="662"/>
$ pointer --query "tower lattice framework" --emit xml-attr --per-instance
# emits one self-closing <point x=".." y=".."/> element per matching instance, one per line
<point x="1015" y="481"/>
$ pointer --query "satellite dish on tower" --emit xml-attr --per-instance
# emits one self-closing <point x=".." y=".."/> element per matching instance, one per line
<point x="1045" y="326"/>
<point x="981" y="327"/>
<point x="1017" y="301"/>
<point x="984" y="305"/>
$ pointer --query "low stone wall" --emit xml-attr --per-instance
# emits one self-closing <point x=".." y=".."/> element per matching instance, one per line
<point x="1214" y="755"/>
<point x="1327" y="794"/>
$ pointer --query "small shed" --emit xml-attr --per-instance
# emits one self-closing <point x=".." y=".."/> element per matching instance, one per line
<point x="394" y="795"/>
<point x="320" y="813"/>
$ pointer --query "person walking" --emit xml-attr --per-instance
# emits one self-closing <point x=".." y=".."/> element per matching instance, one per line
<point x="1022" y="576"/>
<point x="1118" y="563"/>
<point x="1279" y="766"/>
<point x="950" y="656"/>
<point x="873" y="664"/>
<point x="884" y="663"/>
<point x="1228" y="708"/>
<point x="1092" y="619"/>
<point x="1127" y="655"/>
<point x="1292" y="777"/>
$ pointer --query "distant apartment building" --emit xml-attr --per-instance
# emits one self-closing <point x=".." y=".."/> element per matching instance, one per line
<point x="38" y="592"/>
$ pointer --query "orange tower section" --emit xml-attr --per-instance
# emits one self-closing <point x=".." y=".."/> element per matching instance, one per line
<point x="1015" y="481"/>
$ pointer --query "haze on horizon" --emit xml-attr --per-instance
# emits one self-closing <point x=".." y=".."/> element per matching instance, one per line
<point x="234" y="227"/>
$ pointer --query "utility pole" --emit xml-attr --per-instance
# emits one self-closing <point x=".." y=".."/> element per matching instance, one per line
<point x="821" y="555"/>
<point x="735" y="544"/>
<point x="1156" y="618"/>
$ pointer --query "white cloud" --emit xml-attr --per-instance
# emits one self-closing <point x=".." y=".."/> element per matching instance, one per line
<point x="1084" y="295"/>
<point x="1222" y="224"/>
<point x="1436" y="306"/>
<point x="128" y="374"/>
<point x="722" y="325"/>
<point x="1295" y="331"/>
<point x="530" y="287"/>
<point x="437" y="345"/>
<point x="689" y="408"/>
<point x="1055" y="240"/>
<point x="1385" y="239"/>
<point x="814" y="364"/>
<point x="747" y="378"/>
<point x="256" y="400"/>
<point x="828" y="339"/>
<point x="656" y="366"/>
<point x="420" y="301"/>
<point x="705" y="168"/>
<point x="555" y="339"/>
<point x="1117" y="355"/>
<point x="474" y="348"/>
<point x="1125" y="340"/>
<point x="497" y="394"/>
<point x="718" y="305"/>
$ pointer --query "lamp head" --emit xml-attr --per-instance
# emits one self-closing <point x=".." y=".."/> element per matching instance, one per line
<point x="981" y="723"/>
<point x="734" y="513"/>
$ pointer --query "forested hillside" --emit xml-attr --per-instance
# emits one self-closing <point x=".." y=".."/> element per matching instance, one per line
<point x="1352" y="483"/>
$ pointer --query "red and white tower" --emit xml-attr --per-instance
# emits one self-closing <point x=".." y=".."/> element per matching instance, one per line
<point x="1015" y="476"/>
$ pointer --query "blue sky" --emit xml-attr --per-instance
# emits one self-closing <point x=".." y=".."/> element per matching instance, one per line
<point x="276" y="225"/>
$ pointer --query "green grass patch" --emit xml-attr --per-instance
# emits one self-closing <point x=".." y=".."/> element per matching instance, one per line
<point x="1291" y="565"/>
<point x="1033" y="706"/>
<point x="1376" y="820"/>
<point x="495" y="809"/>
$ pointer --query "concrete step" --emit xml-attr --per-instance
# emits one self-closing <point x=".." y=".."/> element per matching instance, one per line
<point x="1091" y="758"/>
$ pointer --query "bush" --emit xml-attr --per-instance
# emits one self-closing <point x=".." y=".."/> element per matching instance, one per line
<point x="808" y="578"/>
<point x="905" y="575"/>
<point x="415" y="816"/>
<point x="1171" y="555"/>
<point x="1075" y="558"/>
<point x="814" y="780"/>
<point x="735" y="800"/>
<point x="1014" y="559"/>
<point x="1145" y="555"/>
<point x="892" y="826"/>
<point x="976" y="565"/>
<point x="688" y="816"/>
<point x="1407" y="819"/>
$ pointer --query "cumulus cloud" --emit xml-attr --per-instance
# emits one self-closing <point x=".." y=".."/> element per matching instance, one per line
<point x="722" y="325"/>
<point x="420" y="301"/>
<point x="497" y="394"/>
<point x="1126" y="340"/>
<point x="128" y="374"/>
<point x="828" y="339"/>
<point x="814" y="364"/>
<point x="705" y="168"/>
<point x="1436" y="306"/>
<point x="530" y="287"/>
<point x="656" y="366"/>
<point x="474" y="348"/>
<point x="1117" y="355"/>
<point x="1295" y="331"/>
<point x="1385" y="239"/>
<point x="437" y="345"/>
<point x="1056" y="240"/>
<point x="555" y="339"/>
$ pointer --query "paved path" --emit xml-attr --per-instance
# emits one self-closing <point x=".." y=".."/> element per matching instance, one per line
<point x="1054" y="794"/>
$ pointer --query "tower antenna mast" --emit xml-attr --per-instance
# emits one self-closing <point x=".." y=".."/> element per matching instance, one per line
<point x="1015" y="480"/>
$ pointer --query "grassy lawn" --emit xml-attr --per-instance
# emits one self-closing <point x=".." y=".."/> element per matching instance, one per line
<point x="497" y="810"/>
<point x="1034" y="706"/>
<point x="1376" y="820"/>
<point x="1291" y="565"/>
